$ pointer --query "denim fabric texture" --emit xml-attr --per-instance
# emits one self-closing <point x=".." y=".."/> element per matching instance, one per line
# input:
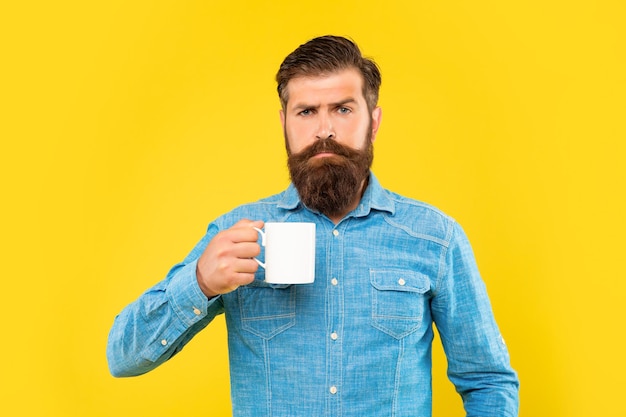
<point x="356" y="342"/>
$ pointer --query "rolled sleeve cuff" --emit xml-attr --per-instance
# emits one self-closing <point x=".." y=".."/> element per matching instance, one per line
<point x="185" y="296"/>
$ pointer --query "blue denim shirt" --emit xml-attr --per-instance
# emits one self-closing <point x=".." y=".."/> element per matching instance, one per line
<point x="356" y="342"/>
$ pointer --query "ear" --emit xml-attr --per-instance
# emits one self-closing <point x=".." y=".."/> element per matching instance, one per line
<point x="377" y="115"/>
<point x="282" y="118"/>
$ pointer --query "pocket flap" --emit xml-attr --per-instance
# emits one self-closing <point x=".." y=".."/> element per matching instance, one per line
<point x="399" y="280"/>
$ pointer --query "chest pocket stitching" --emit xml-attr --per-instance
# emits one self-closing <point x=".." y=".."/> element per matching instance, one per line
<point x="398" y="301"/>
<point x="267" y="309"/>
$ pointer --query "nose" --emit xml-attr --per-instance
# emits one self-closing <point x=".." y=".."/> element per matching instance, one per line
<point x="325" y="129"/>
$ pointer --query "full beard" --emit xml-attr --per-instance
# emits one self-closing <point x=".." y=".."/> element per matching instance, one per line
<point x="330" y="184"/>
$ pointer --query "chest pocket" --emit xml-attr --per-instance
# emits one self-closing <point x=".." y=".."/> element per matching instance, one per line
<point x="267" y="309"/>
<point x="398" y="301"/>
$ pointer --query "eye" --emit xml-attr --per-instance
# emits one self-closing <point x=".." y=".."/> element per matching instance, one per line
<point x="305" y="112"/>
<point x="344" y="110"/>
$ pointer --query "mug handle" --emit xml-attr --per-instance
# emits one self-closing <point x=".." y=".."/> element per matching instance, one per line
<point x="262" y="244"/>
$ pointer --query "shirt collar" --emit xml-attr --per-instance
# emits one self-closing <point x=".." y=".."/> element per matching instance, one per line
<point x="374" y="198"/>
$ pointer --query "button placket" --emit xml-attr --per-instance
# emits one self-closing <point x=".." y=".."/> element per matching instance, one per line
<point x="335" y="312"/>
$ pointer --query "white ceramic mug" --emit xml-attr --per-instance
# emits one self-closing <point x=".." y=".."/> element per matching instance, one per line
<point x="289" y="252"/>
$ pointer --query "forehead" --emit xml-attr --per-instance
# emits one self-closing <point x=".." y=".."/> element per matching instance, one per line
<point x="338" y="85"/>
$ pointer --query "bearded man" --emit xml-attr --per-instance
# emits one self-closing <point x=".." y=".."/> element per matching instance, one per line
<point x="357" y="341"/>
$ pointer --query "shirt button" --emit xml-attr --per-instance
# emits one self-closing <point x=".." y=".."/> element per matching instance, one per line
<point x="334" y="336"/>
<point x="196" y="311"/>
<point x="336" y="232"/>
<point x="334" y="281"/>
<point x="164" y="342"/>
<point x="333" y="390"/>
<point x="401" y="281"/>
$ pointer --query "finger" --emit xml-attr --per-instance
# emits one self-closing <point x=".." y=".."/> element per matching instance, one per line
<point x="246" y="250"/>
<point x="244" y="278"/>
<point x="245" y="266"/>
<point x="258" y="224"/>
<point x="245" y="233"/>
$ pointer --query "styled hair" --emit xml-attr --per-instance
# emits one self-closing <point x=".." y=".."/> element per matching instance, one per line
<point x="326" y="55"/>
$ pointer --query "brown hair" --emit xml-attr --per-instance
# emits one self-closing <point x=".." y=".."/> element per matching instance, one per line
<point x="323" y="56"/>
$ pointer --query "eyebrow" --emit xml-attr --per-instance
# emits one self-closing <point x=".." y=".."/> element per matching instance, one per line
<point x="304" y="106"/>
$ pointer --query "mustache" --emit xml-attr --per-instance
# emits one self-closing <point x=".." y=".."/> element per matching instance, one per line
<point x="326" y="145"/>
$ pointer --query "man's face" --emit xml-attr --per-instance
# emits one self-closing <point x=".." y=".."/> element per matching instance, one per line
<point x="329" y="133"/>
<point x="329" y="106"/>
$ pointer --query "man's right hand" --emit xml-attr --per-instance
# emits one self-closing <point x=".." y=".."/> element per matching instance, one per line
<point x="227" y="262"/>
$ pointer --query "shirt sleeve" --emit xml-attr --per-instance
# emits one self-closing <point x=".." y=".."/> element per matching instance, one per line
<point x="161" y="321"/>
<point x="478" y="360"/>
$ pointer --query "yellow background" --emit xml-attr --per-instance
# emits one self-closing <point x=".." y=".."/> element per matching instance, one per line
<point x="126" y="126"/>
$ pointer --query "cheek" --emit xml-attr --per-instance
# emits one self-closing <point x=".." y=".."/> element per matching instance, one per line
<point x="298" y="137"/>
<point x="357" y="135"/>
